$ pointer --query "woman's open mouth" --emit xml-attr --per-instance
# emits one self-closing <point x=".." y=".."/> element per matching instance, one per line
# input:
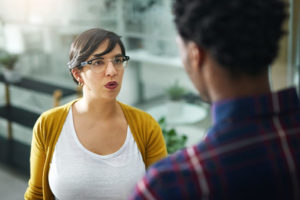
<point x="111" y="85"/>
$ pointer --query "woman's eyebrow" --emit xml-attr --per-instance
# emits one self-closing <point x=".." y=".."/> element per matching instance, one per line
<point x="118" y="55"/>
<point x="100" y="55"/>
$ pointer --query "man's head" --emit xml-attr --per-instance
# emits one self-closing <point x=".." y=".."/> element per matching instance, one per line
<point x="240" y="35"/>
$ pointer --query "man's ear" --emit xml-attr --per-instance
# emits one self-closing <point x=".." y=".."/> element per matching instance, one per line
<point x="196" y="56"/>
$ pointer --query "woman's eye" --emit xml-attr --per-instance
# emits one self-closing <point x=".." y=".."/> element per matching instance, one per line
<point x="98" y="63"/>
<point x="118" y="60"/>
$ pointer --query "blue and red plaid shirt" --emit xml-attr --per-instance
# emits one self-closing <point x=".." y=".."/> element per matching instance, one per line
<point x="251" y="152"/>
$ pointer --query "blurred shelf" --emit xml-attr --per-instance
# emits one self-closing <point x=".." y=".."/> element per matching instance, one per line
<point x="19" y="115"/>
<point x="15" y="155"/>
<point x="39" y="86"/>
<point x="144" y="56"/>
<point x="23" y="116"/>
<point x="147" y="36"/>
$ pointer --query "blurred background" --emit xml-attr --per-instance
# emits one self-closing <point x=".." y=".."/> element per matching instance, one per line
<point x="35" y="37"/>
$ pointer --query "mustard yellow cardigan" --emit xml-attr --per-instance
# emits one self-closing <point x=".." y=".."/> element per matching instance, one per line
<point x="145" y="130"/>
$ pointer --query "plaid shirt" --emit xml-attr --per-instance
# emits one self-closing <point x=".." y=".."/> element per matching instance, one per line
<point x="251" y="152"/>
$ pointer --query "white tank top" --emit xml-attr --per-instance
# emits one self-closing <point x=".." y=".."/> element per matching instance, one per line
<point x="77" y="173"/>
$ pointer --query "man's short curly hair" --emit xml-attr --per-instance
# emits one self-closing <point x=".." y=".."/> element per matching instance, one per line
<point x="241" y="35"/>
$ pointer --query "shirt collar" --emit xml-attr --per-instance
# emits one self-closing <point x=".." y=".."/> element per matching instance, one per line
<point x="248" y="107"/>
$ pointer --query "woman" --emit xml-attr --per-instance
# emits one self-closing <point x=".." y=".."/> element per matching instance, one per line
<point x="94" y="147"/>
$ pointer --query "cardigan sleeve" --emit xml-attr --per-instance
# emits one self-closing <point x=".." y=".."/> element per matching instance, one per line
<point x="37" y="160"/>
<point x="156" y="147"/>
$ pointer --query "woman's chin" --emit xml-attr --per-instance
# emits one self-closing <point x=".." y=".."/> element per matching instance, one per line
<point x="110" y="97"/>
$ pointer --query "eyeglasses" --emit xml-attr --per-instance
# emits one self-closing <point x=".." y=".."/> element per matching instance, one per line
<point x="99" y="64"/>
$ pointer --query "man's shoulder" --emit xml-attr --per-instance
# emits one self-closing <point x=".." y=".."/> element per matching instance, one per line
<point x="175" y="176"/>
<point x="182" y="160"/>
<point x="171" y="166"/>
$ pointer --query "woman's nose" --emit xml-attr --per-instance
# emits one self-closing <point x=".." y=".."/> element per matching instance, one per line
<point x="110" y="69"/>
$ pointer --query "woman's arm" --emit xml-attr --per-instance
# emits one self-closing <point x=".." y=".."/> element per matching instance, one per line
<point x="155" y="147"/>
<point x="37" y="160"/>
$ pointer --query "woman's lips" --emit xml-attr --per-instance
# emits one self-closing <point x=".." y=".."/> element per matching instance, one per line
<point x="111" y="85"/>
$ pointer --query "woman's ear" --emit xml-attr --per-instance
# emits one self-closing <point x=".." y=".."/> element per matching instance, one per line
<point x="76" y="74"/>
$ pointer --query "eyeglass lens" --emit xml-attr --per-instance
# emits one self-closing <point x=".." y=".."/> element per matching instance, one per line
<point x="98" y="65"/>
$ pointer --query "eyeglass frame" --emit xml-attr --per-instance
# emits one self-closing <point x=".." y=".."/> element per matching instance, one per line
<point x="89" y="62"/>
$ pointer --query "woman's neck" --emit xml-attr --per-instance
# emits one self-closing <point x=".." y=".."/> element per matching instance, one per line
<point x="98" y="108"/>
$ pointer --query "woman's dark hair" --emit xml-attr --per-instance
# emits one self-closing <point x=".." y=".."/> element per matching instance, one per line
<point x="241" y="35"/>
<point x="87" y="42"/>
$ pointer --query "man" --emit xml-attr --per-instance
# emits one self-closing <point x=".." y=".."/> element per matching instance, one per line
<point x="252" y="150"/>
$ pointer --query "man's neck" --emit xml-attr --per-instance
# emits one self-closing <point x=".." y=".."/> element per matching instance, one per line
<point x="229" y="88"/>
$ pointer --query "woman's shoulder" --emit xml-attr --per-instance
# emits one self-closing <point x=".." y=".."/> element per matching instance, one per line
<point x="134" y="112"/>
<point x="138" y="117"/>
<point x="57" y="111"/>
<point x="50" y="122"/>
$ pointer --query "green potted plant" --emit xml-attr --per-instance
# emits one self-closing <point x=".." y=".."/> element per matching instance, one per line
<point x="175" y="100"/>
<point x="8" y="63"/>
<point x="174" y="141"/>
<point x="176" y="92"/>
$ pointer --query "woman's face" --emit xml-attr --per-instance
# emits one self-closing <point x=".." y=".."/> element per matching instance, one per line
<point x="106" y="83"/>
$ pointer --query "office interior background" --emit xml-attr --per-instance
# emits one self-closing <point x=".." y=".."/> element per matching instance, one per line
<point x="41" y="32"/>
